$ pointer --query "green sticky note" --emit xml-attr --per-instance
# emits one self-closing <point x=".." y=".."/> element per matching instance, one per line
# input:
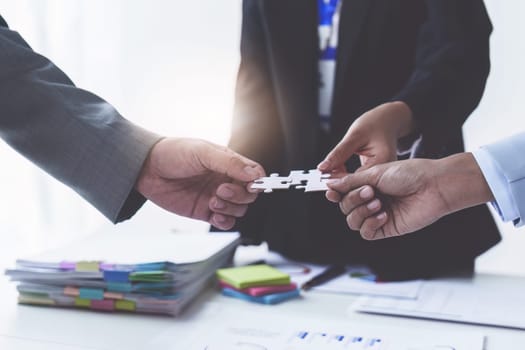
<point x="149" y="276"/>
<point x="253" y="275"/>
<point x="125" y="305"/>
<point x="80" y="302"/>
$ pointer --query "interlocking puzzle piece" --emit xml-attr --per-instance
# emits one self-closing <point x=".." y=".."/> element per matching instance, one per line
<point x="272" y="182"/>
<point x="310" y="181"/>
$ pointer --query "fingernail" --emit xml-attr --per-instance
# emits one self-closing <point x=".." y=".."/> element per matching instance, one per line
<point x="252" y="171"/>
<point x="381" y="216"/>
<point x="373" y="205"/>
<point x="323" y="165"/>
<point x="219" y="218"/>
<point x="219" y="204"/>
<point x="225" y="192"/>
<point x="366" y="193"/>
<point x="334" y="182"/>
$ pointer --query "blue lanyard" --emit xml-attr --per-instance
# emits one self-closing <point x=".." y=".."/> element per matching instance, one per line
<point x="326" y="10"/>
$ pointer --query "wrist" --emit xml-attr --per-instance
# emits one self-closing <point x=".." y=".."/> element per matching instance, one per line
<point x="461" y="182"/>
<point x="404" y="120"/>
<point x="147" y="174"/>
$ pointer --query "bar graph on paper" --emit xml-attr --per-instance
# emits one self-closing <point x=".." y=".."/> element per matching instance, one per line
<point x="264" y="330"/>
<point x="337" y="341"/>
<point x="258" y="339"/>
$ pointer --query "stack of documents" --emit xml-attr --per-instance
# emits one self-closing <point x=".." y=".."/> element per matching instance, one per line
<point x="257" y="283"/>
<point x="120" y="271"/>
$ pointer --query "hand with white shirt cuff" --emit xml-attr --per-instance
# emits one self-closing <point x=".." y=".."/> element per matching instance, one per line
<point x="397" y="198"/>
<point x="503" y="166"/>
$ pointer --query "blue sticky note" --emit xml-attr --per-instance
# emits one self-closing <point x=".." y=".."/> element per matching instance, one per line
<point x="116" y="276"/>
<point x="265" y="299"/>
<point x="119" y="287"/>
<point x="91" y="293"/>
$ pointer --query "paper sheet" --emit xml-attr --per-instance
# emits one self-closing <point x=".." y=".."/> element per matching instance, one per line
<point x="265" y="332"/>
<point x="490" y="300"/>
<point x="129" y="247"/>
<point x="345" y="284"/>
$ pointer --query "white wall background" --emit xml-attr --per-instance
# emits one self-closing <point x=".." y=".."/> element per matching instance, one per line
<point x="502" y="113"/>
<point x="170" y="66"/>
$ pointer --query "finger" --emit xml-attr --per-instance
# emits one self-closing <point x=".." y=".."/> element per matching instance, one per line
<point x="352" y="181"/>
<point x="333" y="196"/>
<point x="222" y="222"/>
<point x="235" y="193"/>
<point x="225" y="161"/>
<point x="355" y="199"/>
<point x="339" y="172"/>
<point x="383" y="156"/>
<point x="357" y="216"/>
<point x="373" y="227"/>
<point x="349" y="145"/>
<point x="220" y="206"/>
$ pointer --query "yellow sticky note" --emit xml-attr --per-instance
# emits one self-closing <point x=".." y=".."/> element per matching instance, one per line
<point x="35" y="300"/>
<point x="82" y="302"/>
<point x="125" y="305"/>
<point x="87" y="266"/>
<point x="253" y="275"/>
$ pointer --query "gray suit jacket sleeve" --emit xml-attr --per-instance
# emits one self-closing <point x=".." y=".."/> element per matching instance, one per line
<point x="508" y="155"/>
<point x="72" y="134"/>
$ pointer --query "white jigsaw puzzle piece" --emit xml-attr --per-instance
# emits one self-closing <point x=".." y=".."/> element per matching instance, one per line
<point x="272" y="182"/>
<point x="311" y="181"/>
<point x="315" y="180"/>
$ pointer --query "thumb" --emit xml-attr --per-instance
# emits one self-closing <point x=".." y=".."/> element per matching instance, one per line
<point x="337" y="157"/>
<point x="224" y="161"/>
<point x="351" y="181"/>
<point x="383" y="155"/>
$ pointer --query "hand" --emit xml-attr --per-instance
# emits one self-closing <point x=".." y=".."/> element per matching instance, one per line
<point x="401" y="197"/>
<point x="198" y="179"/>
<point x="373" y="136"/>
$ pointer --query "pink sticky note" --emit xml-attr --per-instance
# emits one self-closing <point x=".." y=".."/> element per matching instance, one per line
<point x="71" y="291"/>
<point x="113" y="295"/>
<point x="263" y="290"/>
<point x="104" y="305"/>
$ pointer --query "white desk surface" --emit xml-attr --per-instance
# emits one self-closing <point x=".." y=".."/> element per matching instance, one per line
<point x="31" y="328"/>
<point x="41" y="328"/>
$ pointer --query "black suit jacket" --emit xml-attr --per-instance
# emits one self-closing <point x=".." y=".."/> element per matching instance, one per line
<point x="433" y="55"/>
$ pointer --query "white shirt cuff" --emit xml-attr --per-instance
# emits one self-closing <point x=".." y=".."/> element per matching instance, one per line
<point x="499" y="185"/>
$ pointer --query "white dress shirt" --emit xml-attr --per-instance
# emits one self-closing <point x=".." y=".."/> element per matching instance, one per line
<point x="503" y="166"/>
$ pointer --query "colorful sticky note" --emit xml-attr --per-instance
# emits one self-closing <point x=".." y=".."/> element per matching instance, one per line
<point x="87" y="266"/>
<point x="104" y="305"/>
<point x="265" y="299"/>
<point x="259" y="291"/>
<point x="253" y="275"/>
<point x="125" y="305"/>
<point x="119" y="287"/>
<point x="113" y="295"/>
<point x="67" y="265"/>
<point x="149" y="276"/>
<point x="34" y="299"/>
<point x="71" y="291"/>
<point x="91" y="293"/>
<point x="116" y="276"/>
<point x="82" y="302"/>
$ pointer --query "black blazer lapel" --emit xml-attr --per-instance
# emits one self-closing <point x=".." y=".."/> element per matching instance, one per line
<point x="353" y="16"/>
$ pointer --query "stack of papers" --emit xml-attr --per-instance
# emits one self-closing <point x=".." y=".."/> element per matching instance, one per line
<point x="119" y="271"/>
<point x="257" y="283"/>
